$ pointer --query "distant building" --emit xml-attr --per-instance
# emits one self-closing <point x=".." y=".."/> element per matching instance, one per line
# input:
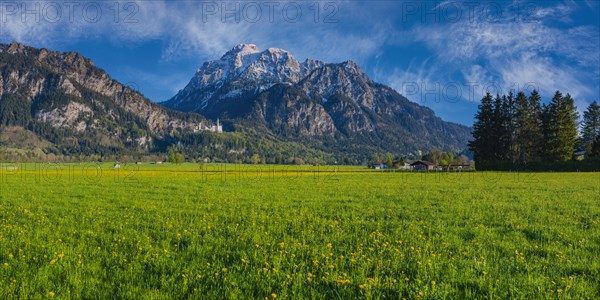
<point x="396" y="164"/>
<point x="404" y="166"/>
<point x="422" y="165"/>
<point x="456" y="167"/>
<point x="218" y="128"/>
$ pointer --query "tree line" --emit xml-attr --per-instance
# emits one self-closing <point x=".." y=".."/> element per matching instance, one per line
<point x="518" y="132"/>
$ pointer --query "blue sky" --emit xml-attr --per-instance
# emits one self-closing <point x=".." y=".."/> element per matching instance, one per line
<point x="441" y="54"/>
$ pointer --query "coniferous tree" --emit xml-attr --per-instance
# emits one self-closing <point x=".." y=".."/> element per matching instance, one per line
<point x="595" y="149"/>
<point x="561" y="127"/>
<point x="591" y="126"/>
<point x="527" y="124"/>
<point x="499" y="142"/>
<point x="508" y="144"/>
<point x="483" y="141"/>
<point x="546" y="120"/>
<point x="522" y="118"/>
<point x="536" y="137"/>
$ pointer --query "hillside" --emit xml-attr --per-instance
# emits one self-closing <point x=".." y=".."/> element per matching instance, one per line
<point x="76" y="108"/>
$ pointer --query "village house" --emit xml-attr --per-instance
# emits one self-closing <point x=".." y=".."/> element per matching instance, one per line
<point x="397" y="164"/>
<point x="422" y="165"/>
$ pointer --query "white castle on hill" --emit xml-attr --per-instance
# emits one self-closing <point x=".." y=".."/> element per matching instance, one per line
<point x="218" y="128"/>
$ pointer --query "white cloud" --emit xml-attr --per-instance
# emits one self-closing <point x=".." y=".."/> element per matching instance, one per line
<point x="514" y="53"/>
<point x="191" y="29"/>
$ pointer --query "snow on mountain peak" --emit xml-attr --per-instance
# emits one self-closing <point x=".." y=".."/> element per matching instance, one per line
<point x="246" y="69"/>
<point x="242" y="49"/>
<point x="277" y="50"/>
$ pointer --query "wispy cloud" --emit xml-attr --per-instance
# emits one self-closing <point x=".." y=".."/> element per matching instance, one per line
<point x="515" y="52"/>
<point x="201" y="28"/>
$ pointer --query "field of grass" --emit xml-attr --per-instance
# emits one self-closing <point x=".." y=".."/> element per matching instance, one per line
<point x="256" y="232"/>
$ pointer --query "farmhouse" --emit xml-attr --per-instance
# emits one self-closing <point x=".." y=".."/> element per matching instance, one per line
<point x="422" y="165"/>
<point x="396" y="164"/>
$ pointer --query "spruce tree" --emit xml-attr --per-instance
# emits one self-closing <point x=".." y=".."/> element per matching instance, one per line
<point x="546" y="118"/>
<point x="522" y="122"/>
<point x="483" y="142"/>
<point x="595" y="148"/>
<point x="561" y="127"/>
<point x="527" y="123"/>
<point x="508" y="143"/>
<point x="536" y="138"/>
<point x="499" y="141"/>
<point x="591" y="126"/>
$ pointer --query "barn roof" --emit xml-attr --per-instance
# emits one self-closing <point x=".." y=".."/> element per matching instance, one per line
<point x="422" y="162"/>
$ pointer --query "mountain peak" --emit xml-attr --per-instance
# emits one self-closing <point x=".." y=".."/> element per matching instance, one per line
<point x="277" y="50"/>
<point x="313" y="98"/>
<point x="351" y="65"/>
<point x="241" y="50"/>
<point x="16" y="47"/>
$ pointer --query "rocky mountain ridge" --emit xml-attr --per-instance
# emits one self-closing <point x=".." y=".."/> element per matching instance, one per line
<point x="313" y="99"/>
<point x="66" y="91"/>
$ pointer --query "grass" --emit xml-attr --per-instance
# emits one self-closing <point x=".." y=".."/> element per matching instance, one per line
<point x="172" y="232"/>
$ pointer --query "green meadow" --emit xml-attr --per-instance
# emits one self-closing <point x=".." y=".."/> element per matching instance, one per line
<point x="88" y="231"/>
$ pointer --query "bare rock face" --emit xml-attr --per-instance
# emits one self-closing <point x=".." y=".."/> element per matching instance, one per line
<point x="16" y="48"/>
<point x="69" y="116"/>
<point x="288" y="110"/>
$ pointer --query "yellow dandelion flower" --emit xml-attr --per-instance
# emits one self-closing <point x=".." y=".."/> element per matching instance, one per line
<point x="274" y="295"/>
<point x="52" y="294"/>
<point x="6" y="264"/>
<point x="329" y="246"/>
<point x="224" y="270"/>
<point x="10" y="255"/>
<point x="52" y="262"/>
